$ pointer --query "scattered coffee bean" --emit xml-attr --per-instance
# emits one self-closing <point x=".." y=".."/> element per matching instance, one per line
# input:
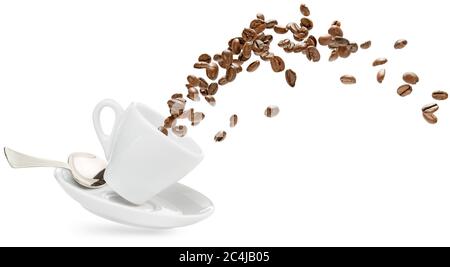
<point x="231" y="74"/>
<point x="213" y="88"/>
<point x="204" y="58"/>
<point x="313" y="54"/>
<point x="201" y="65"/>
<point x="400" y="44"/>
<point x="193" y="81"/>
<point x="220" y="136"/>
<point x="169" y="122"/>
<point x="260" y="16"/>
<point x="212" y="71"/>
<point x="333" y="56"/>
<point x="233" y="121"/>
<point x="430" y="108"/>
<point x="366" y="45"/>
<point x="249" y="35"/>
<point x="440" y="95"/>
<point x="203" y="83"/>
<point x="280" y="29"/>
<point x="271" y="111"/>
<point x="258" y="25"/>
<point x="179" y="130"/>
<point x="430" y="118"/>
<point x="211" y="100"/>
<point x="253" y="66"/>
<point x="335" y="31"/>
<point x="291" y="77"/>
<point x="236" y="46"/>
<point x="193" y="94"/>
<point x="186" y="115"/>
<point x="277" y="64"/>
<point x="325" y="40"/>
<point x="404" y="90"/>
<point x="307" y="23"/>
<point x="348" y="79"/>
<point x="304" y="10"/>
<point x="196" y="118"/>
<point x="223" y="81"/>
<point x="379" y="61"/>
<point x="411" y="78"/>
<point x="177" y="107"/>
<point x="380" y="75"/>
<point x="270" y="24"/>
<point x="177" y="96"/>
<point x="163" y="130"/>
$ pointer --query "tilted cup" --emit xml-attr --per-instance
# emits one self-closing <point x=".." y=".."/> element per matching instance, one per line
<point x="142" y="161"/>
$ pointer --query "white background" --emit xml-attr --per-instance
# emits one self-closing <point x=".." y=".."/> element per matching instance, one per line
<point x="341" y="165"/>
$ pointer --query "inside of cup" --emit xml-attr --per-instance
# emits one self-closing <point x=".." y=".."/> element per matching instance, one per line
<point x="155" y="120"/>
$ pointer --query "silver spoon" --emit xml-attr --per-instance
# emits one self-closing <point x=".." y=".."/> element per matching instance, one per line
<point x="87" y="170"/>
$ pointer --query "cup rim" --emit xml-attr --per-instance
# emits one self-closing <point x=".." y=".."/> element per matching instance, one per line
<point x="170" y="140"/>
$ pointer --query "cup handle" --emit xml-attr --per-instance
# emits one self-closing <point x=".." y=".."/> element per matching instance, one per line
<point x="106" y="139"/>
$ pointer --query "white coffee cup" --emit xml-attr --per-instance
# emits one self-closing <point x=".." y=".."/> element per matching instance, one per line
<point x="142" y="161"/>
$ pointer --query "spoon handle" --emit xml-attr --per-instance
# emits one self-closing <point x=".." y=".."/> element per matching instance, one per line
<point x="19" y="160"/>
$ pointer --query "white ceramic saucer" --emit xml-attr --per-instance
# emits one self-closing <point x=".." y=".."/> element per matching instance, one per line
<point x="177" y="206"/>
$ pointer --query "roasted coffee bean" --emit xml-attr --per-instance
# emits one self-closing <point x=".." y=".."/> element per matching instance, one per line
<point x="440" y="95"/>
<point x="348" y="79"/>
<point x="231" y="73"/>
<point x="217" y="57"/>
<point x="180" y="130"/>
<point x="353" y="47"/>
<point x="399" y="44"/>
<point x="177" y="107"/>
<point x="253" y="66"/>
<point x="311" y="41"/>
<point x="280" y="29"/>
<point x="339" y="41"/>
<point x="203" y="83"/>
<point x="220" y="136"/>
<point x="294" y="27"/>
<point x="266" y="56"/>
<point x="334" y="55"/>
<point x="163" y="130"/>
<point x="325" y="40"/>
<point x="211" y="100"/>
<point x="299" y="47"/>
<point x="344" y="51"/>
<point x="204" y="92"/>
<point x="430" y="118"/>
<point x="271" y="111"/>
<point x="186" y="114"/>
<point x="411" y="78"/>
<point x="335" y="31"/>
<point x="236" y="46"/>
<point x="213" y="88"/>
<point x="196" y="118"/>
<point x="237" y="65"/>
<point x="223" y="81"/>
<point x="313" y="54"/>
<point x="258" y="25"/>
<point x="212" y="71"/>
<point x="291" y="77"/>
<point x="201" y="65"/>
<point x="404" y="90"/>
<point x="307" y="23"/>
<point x="204" y="58"/>
<point x="193" y="80"/>
<point x="277" y="64"/>
<point x="366" y="45"/>
<point x="336" y="23"/>
<point x="284" y="43"/>
<point x="227" y="58"/>
<point x="260" y="16"/>
<point x="249" y="35"/>
<point x="380" y="75"/>
<point x="430" y="108"/>
<point x="259" y="47"/>
<point x="177" y="96"/>
<point x="304" y="10"/>
<point x="379" y="61"/>
<point x="170" y="121"/>
<point x="233" y="121"/>
<point x="247" y="49"/>
<point x="271" y="24"/>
